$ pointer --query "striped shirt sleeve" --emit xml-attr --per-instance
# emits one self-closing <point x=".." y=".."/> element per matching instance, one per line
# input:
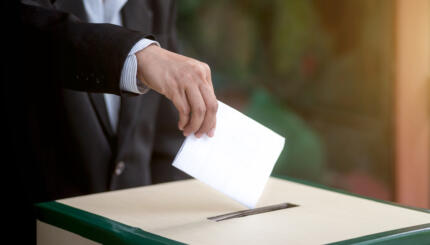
<point x="129" y="81"/>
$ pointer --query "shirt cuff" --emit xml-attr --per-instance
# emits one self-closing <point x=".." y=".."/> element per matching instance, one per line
<point x="129" y="81"/>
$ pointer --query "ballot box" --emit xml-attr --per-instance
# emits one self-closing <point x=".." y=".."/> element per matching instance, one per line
<point x="178" y="212"/>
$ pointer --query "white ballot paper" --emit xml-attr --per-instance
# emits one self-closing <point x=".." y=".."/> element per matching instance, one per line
<point x="237" y="161"/>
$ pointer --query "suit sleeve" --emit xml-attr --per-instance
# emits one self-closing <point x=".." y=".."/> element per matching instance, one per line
<point x="77" y="55"/>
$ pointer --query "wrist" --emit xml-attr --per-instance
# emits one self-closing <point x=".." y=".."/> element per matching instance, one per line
<point x="142" y="57"/>
<point x="142" y="86"/>
<point x="147" y="51"/>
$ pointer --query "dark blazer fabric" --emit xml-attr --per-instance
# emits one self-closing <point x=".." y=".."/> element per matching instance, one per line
<point x="59" y="139"/>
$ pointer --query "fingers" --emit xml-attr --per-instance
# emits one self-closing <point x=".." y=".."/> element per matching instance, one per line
<point x="203" y="104"/>
<point x="198" y="110"/>
<point x="181" y="103"/>
<point x="211" y="103"/>
<point x="186" y="82"/>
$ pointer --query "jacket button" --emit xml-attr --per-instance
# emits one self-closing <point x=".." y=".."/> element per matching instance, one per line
<point x="119" y="168"/>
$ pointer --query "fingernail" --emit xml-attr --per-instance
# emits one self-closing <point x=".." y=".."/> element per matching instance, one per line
<point x="211" y="132"/>
<point x="198" y="135"/>
<point x="185" y="134"/>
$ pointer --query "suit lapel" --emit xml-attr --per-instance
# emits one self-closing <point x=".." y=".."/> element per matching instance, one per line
<point x="77" y="8"/>
<point x="99" y="105"/>
<point x="137" y="15"/>
<point x="127" y="119"/>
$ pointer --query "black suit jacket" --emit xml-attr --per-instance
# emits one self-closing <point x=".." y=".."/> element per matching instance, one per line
<point x="60" y="142"/>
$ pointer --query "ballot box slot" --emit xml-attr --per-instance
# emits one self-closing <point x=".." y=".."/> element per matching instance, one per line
<point x="253" y="211"/>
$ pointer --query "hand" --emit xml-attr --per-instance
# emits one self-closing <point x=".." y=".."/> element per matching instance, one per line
<point x="186" y="82"/>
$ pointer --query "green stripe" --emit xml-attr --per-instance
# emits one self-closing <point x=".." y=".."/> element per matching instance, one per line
<point x="95" y="227"/>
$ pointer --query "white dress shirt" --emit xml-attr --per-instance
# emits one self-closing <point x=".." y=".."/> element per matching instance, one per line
<point x="109" y="11"/>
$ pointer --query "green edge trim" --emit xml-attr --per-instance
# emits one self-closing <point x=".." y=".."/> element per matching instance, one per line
<point x="419" y="234"/>
<point x="95" y="227"/>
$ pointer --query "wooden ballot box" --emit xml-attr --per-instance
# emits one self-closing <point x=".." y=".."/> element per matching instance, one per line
<point x="177" y="212"/>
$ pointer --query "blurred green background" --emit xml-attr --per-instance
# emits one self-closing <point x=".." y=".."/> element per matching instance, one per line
<point x="317" y="72"/>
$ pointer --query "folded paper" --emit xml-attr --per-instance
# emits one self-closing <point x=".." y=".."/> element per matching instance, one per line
<point x="237" y="161"/>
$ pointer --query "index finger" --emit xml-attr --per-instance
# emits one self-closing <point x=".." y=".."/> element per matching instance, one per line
<point x="211" y="103"/>
<point x="198" y="110"/>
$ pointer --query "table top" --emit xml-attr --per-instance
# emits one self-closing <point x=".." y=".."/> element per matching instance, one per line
<point x="178" y="211"/>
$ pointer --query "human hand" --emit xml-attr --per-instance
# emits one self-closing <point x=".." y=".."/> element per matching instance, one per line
<point x="186" y="82"/>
